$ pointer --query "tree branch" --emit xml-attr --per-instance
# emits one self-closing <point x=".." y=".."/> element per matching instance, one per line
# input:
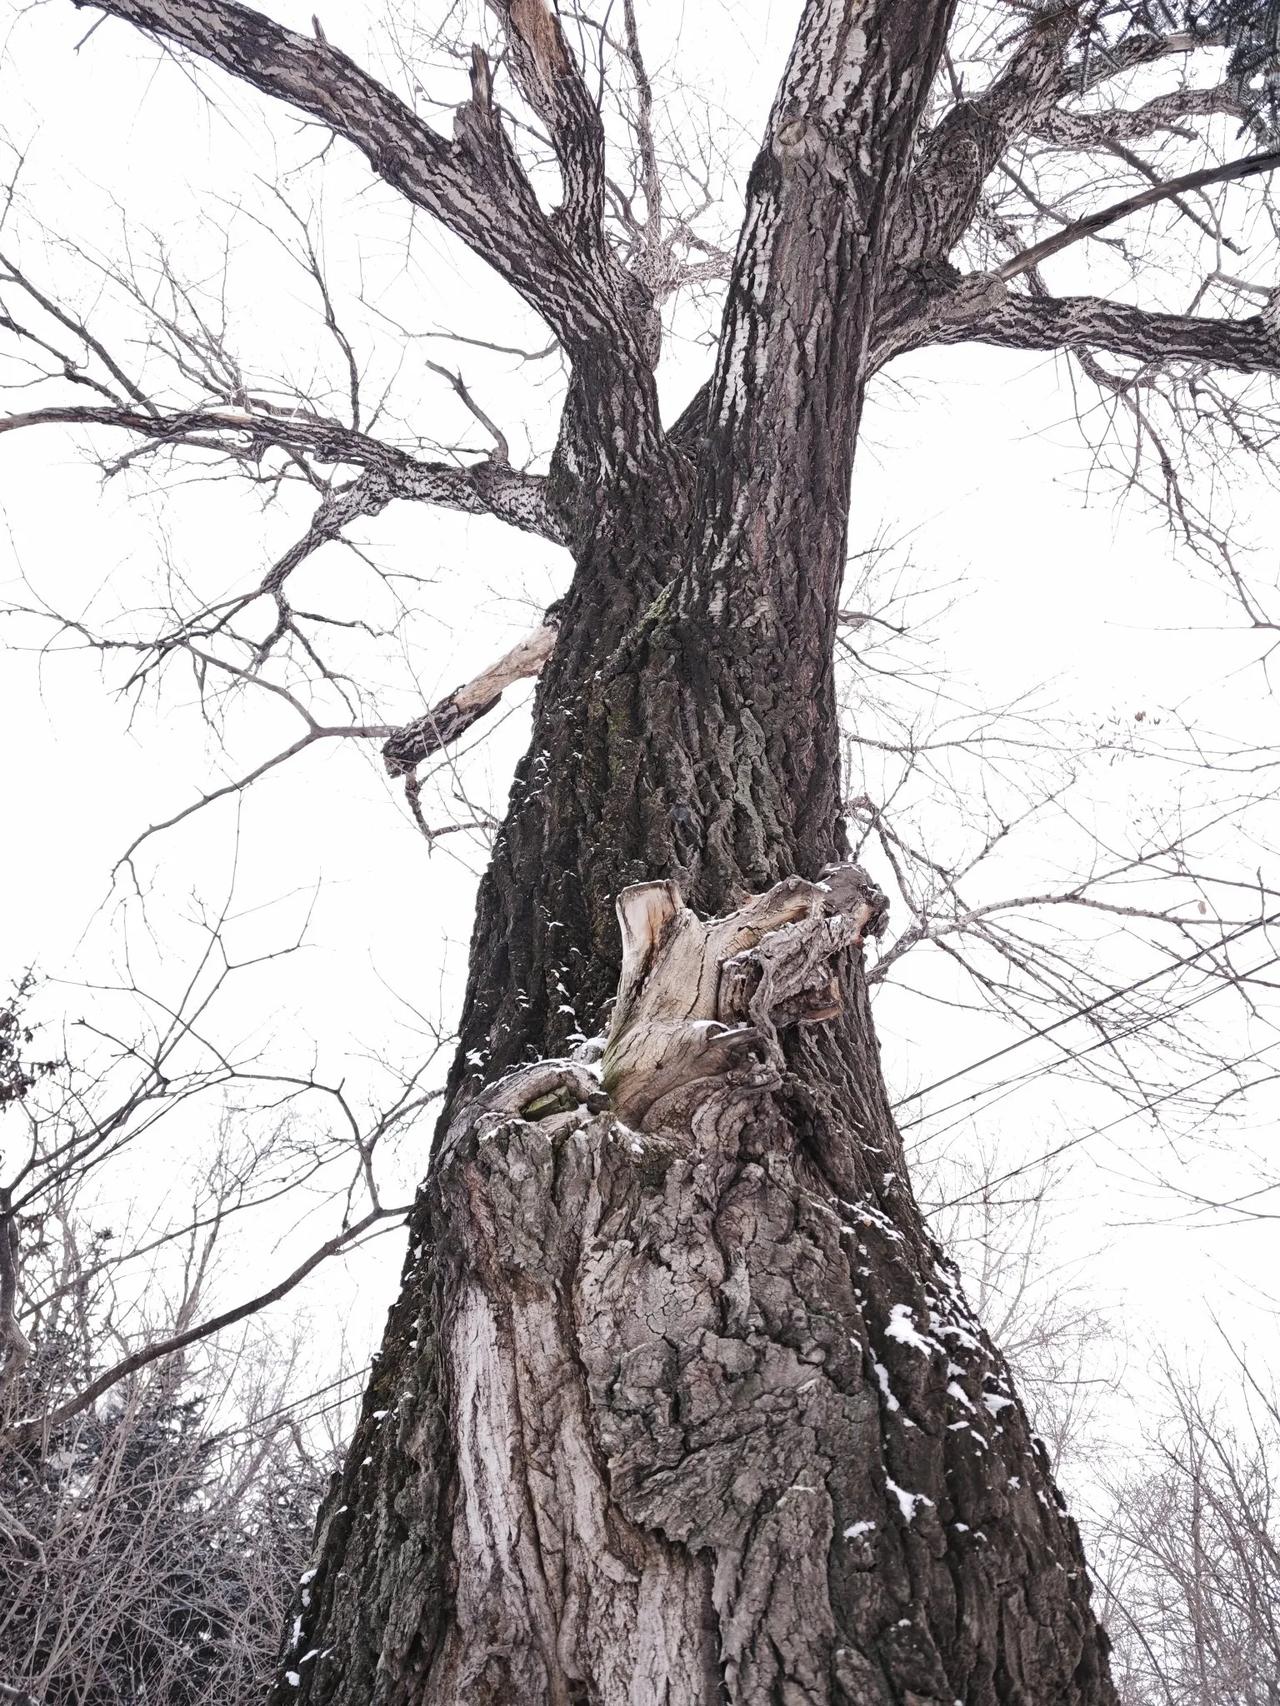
<point x="964" y="147"/>
<point x="24" y="1432"/>
<point x="473" y="184"/>
<point x="651" y="248"/>
<point x="1091" y="322"/>
<point x="549" y="78"/>
<point x="483" y="488"/>
<point x="477" y="187"/>
<point x="1251" y="166"/>
<point x="453" y="715"/>
<point x="1133" y="124"/>
<point x="1021" y="100"/>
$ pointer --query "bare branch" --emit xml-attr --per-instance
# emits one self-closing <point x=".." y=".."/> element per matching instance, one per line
<point x="1078" y="229"/>
<point x="964" y="147"/>
<point x="1250" y="345"/>
<point x="484" y="488"/>
<point x="35" y="1427"/>
<point x="1024" y="99"/>
<point x="473" y="184"/>
<point x="1166" y="112"/>
<point x="453" y="715"/>
<point x="550" y="79"/>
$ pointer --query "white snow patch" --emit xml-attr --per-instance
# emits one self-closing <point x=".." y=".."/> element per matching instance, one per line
<point x="902" y="1327"/>
<point x="908" y="1503"/>
<point x="882" y="1375"/>
<point x="798" y="1488"/>
<point x="854" y="1529"/>
<point x="952" y="1330"/>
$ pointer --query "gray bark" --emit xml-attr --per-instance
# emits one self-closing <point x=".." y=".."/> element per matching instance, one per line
<point x="680" y="1403"/>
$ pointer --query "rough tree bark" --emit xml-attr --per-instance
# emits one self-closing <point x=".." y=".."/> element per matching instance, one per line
<point x="680" y="1402"/>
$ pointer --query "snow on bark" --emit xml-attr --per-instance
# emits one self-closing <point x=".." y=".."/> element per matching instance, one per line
<point x="716" y="1433"/>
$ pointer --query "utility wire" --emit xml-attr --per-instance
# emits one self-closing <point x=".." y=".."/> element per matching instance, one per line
<point x="1084" y="1012"/>
<point x="259" y="1422"/>
<point x="1098" y="1130"/>
<point x="1103" y="1042"/>
<point x="1032" y="1036"/>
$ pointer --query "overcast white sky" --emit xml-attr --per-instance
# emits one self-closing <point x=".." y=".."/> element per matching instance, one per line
<point x="977" y="463"/>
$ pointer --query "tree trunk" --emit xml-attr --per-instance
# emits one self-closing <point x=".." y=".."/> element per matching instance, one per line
<point x="680" y="1403"/>
<point x="689" y="1409"/>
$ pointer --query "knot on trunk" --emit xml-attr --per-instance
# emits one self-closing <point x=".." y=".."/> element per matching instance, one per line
<point x="699" y="999"/>
<point x="555" y="1095"/>
<point x="699" y="1009"/>
<point x="946" y="297"/>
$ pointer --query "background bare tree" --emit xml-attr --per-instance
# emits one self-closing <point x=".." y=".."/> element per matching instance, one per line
<point x="155" y="1504"/>
<point x="75" y="1128"/>
<point x="1190" y="1558"/>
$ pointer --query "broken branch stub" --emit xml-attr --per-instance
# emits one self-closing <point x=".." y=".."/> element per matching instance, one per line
<point x="699" y="998"/>
<point x="453" y="715"/>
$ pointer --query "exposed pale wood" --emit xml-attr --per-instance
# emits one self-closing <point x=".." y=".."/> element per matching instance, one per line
<point x="457" y="711"/>
<point x="697" y="998"/>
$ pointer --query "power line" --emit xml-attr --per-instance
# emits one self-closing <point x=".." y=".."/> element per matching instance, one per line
<point x="259" y="1422"/>
<point x="1097" y="1131"/>
<point x="1084" y="1012"/>
<point x="1079" y="1054"/>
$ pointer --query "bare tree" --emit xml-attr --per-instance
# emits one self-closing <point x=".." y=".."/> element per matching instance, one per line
<point x="1188" y="1551"/>
<point x="269" y="1141"/>
<point x="148" y="1548"/>
<point x="155" y="1514"/>
<point x="680" y="1400"/>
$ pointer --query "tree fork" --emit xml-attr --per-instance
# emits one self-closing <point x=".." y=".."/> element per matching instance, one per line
<point x="679" y="1402"/>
